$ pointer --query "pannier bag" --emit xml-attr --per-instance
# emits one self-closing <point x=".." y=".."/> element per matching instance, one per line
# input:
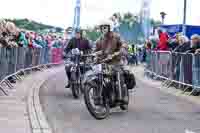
<point x="129" y="80"/>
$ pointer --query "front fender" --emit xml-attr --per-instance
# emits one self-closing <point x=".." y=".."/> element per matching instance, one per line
<point x="90" y="80"/>
<point x="89" y="77"/>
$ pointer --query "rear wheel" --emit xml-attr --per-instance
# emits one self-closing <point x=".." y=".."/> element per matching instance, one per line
<point x="98" y="112"/>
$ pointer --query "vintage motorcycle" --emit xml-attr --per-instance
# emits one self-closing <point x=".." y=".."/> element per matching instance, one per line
<point x="102" y="88"/>
<point x="77" y="62"/>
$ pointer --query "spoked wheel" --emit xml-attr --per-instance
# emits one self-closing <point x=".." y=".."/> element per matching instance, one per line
<point x="75" y="87"/>
<point x="75" y="90"/>
<point x="98" y="112"/>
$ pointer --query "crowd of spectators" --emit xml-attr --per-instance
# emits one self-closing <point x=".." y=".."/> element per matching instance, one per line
<point x="12" y="36"/>
<point x="177" y="43"/>
<point x="180" y="66"/>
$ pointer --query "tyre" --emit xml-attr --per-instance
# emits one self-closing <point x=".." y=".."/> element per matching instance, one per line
<point x="75" y="86"/>
<point x="75" y="90"/>
<point x="98" y="112"/>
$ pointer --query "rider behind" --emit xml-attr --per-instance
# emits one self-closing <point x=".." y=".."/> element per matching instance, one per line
<point x="76" y="42"/>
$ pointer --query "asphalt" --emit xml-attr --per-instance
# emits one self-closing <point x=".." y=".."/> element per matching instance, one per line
<point x="150" y="111"/>
<point x="20" y="110"/>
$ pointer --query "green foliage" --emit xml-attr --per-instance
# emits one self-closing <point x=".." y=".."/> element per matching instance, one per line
<point x="92" y="34"/>
<point x="133" y="19"/>
<point x="131" y="27"/>
<point x="155" y="23"/>
<point x="33" y="25"/>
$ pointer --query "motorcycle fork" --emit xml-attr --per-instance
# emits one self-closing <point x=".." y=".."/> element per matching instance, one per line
<point x="80" y="79"/>
<point x="100" y="90"/>
<point x="119" y="86"/>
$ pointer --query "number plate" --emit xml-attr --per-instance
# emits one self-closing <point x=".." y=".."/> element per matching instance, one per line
<point x="75" y="51"/>
<point x="97" y="68"/>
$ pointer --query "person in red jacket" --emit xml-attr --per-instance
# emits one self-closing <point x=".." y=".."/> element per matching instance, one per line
<point x="163" y="41"/>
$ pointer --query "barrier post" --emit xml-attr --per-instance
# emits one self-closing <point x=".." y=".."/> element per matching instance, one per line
<point x="196" y="72"/>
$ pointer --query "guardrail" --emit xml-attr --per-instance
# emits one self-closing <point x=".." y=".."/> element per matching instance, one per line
<point x="178" y="69"/>
<point x="18" y="61"/>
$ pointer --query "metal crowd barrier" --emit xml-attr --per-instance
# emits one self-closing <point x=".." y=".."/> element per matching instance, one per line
<point x="18" y="60"/>
<point x="175" y="69"/>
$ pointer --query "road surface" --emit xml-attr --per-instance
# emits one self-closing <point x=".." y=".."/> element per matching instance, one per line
<point x="150" y="111"/>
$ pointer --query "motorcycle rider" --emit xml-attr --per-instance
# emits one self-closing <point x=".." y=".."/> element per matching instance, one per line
<point x="76" y="42"/>
<point x="109" y="44"/>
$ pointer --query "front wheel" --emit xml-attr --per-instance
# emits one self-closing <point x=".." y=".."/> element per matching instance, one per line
<point x="75" y="90"/>
<point x="75" y="86"/>
<point x="99" y="112"/>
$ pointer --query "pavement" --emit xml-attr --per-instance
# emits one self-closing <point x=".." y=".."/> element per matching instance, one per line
<point x="151" y="110"/>
<point x="20" y="112"/>
<point x="40" y="103"/>
<point x="139" y="71"/>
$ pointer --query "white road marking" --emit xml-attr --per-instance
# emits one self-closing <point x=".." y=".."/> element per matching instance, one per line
<point x="188" y="131"/>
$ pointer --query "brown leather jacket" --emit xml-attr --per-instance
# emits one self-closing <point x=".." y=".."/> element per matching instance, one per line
<point x="109" y="44"/>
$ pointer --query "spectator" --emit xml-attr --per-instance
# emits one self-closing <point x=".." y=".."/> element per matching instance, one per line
<point x="134" y="55"/>
<point x="194" y="44"/>
<point x="183" y="44"/>
<point x="197" y="51"/>
<point x="163" y="41"/>
<point x="40" y="41"/>
<point x="188" y="47"/>
<point x="44" y="41"/>
<point x="11" y="28"/>
<point x="7" y="34"/>
<point x="174" y="42"/>
<point x="11" y="36"/>
<point x="22" y="40"/>
<point x="56" y="43"/>
<point x="144" y="54"/>
<point x="148" y="45"/>
<point x="154" y="41"/>
<point x="133" y="49"/>
<point x="2" y="26"/>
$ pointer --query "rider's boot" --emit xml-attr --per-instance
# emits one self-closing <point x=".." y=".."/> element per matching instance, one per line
<point x="69" y="77"/>
<point x="67" y="86"/>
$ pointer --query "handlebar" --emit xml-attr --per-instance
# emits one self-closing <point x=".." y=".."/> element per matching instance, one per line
<point x="109" y="58"/>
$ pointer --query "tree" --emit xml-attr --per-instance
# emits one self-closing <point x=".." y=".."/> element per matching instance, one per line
<point x="32" y="25"/>
<point x="92" y="34"/>
<point x="131" y="29"/>
<point x="155" y="23"/>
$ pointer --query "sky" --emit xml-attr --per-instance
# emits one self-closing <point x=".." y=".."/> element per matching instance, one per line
<point x="61" y="12"/>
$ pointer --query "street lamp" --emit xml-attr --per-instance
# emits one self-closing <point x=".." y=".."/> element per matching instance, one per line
<point x="163" y="14"/>
<point x="184" y="17"/>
